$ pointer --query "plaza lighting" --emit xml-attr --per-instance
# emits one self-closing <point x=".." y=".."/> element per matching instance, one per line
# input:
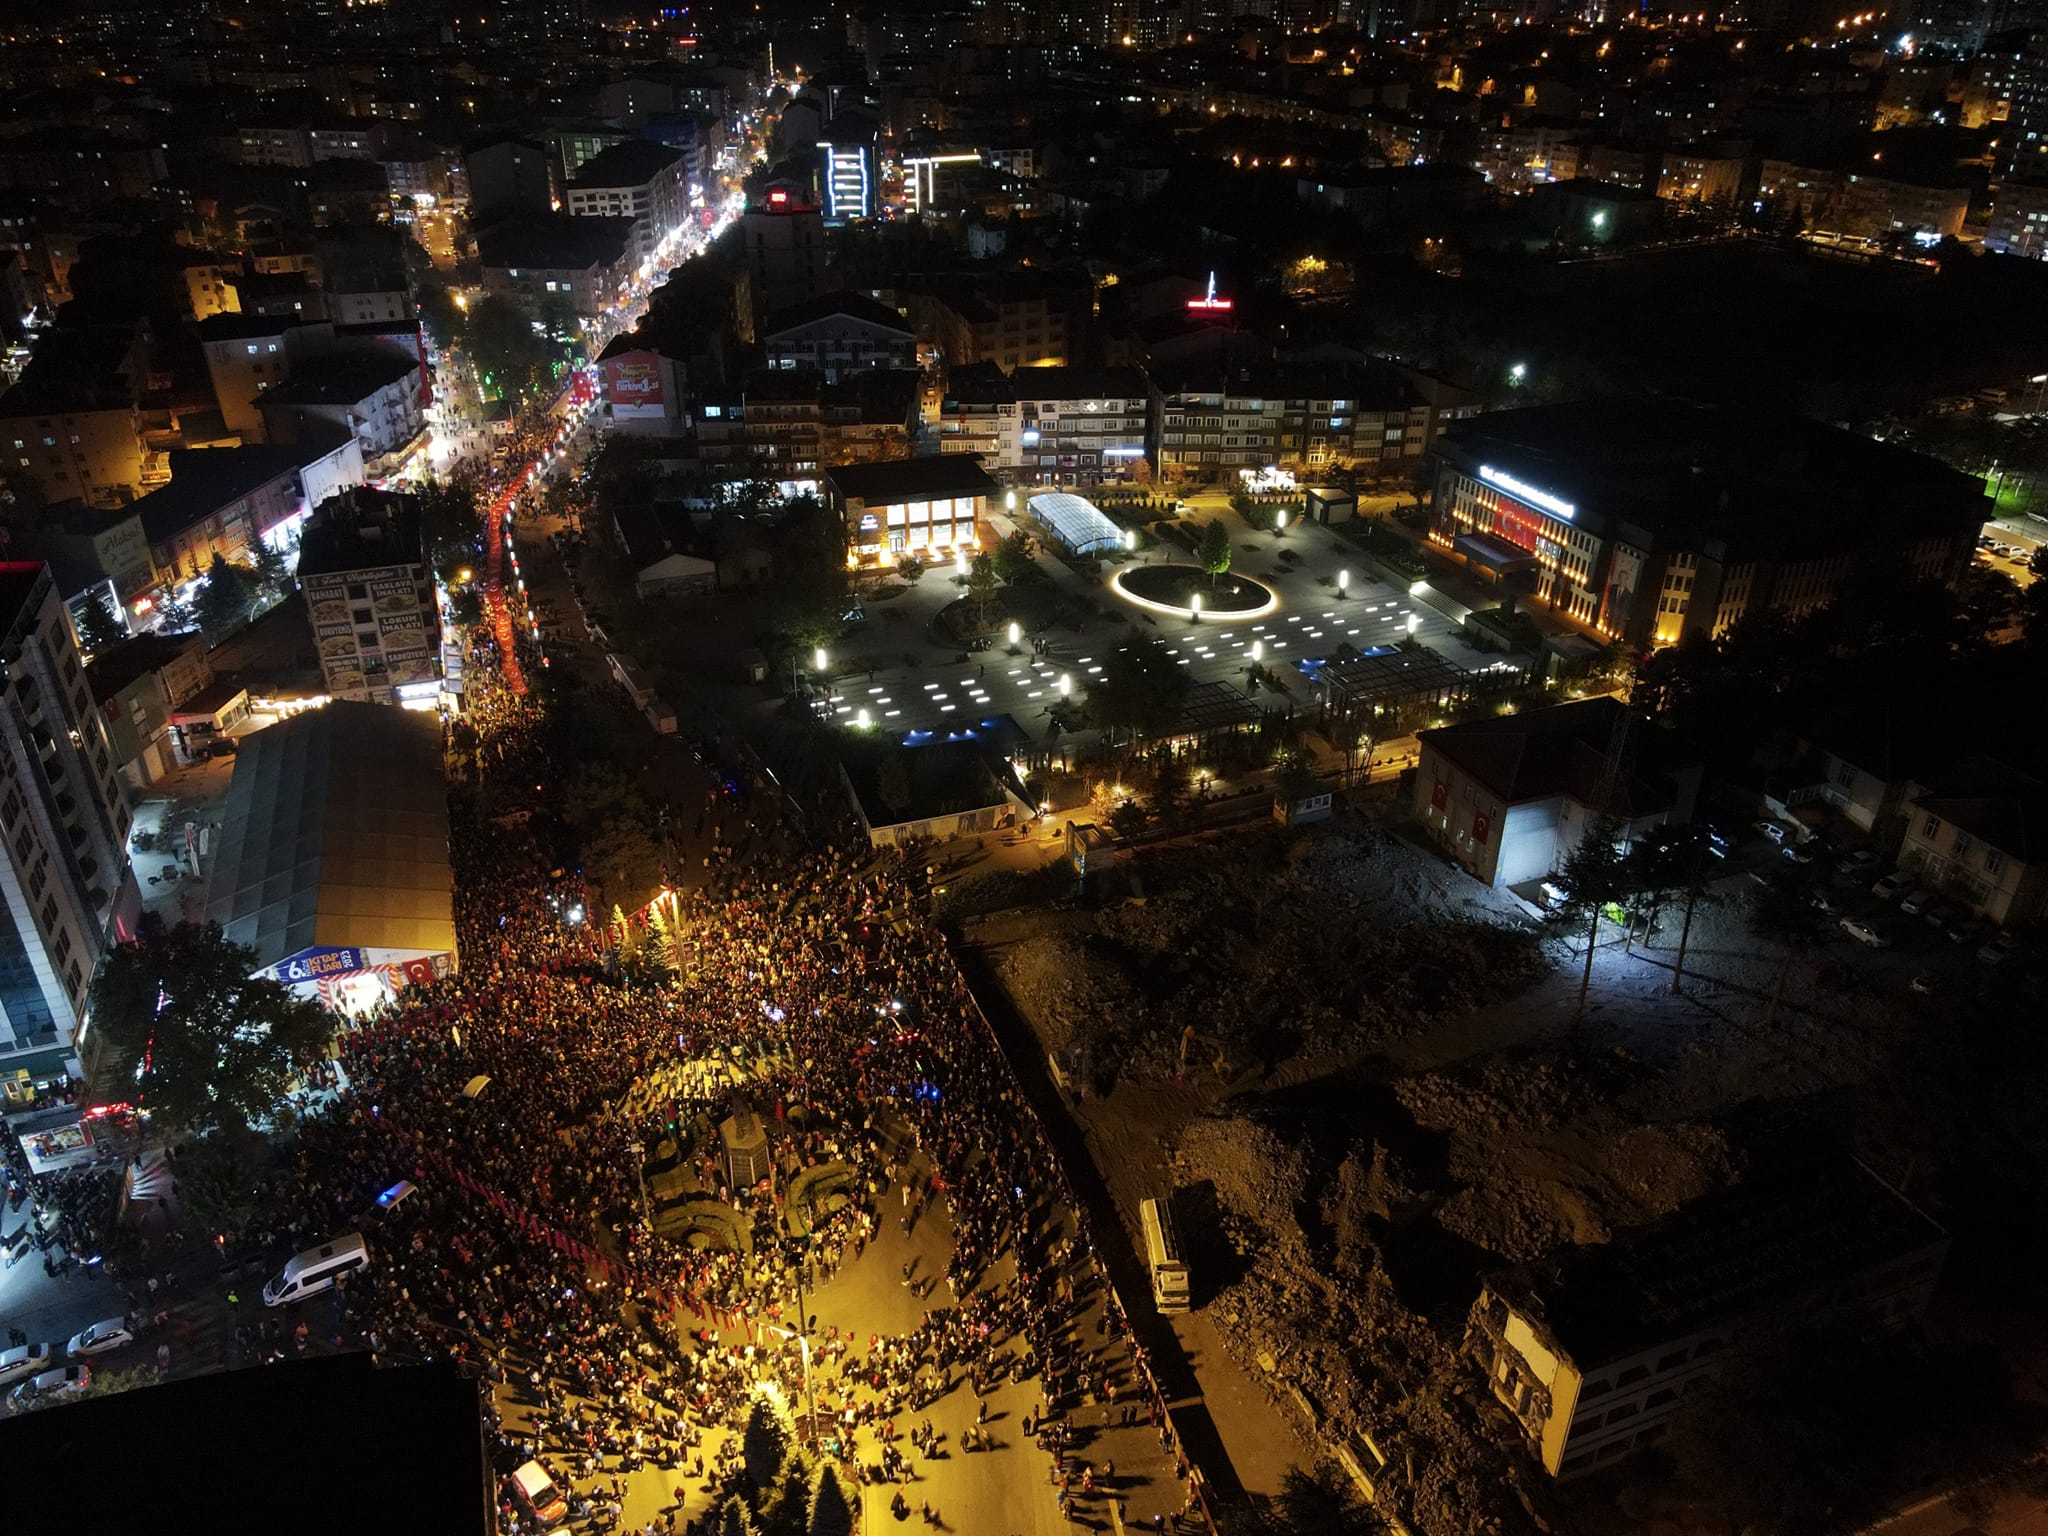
<point x="1258" y="649"/>
<point x="1344" y="582"/>
<point x="1016" y="632"/>
<point x="1066" y="685"/>
<point x="819" y="659"/>
<point x="1195" y="606"/>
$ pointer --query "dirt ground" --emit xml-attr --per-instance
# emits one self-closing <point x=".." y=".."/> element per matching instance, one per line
<point x="1358" y="1073"/>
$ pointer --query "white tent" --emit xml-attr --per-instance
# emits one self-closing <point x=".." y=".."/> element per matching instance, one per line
<point x="1076" y="522"/>
<point x="677" y="576"/>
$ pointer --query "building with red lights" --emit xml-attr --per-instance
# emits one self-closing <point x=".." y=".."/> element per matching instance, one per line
<point x="1650" y="520"/>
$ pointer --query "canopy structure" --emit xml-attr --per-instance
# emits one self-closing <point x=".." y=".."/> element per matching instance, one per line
<point x="1076" y="522"/>
<point x="335" y="842"/>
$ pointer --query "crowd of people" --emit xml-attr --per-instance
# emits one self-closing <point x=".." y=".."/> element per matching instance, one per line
<point x="623" y="1333"/>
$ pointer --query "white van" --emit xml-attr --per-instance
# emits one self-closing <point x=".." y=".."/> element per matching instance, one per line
<point x="1163" y="1257"/>
<point x="316" y="1270"/>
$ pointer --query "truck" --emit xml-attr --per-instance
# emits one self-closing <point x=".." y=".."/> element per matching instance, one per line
<point x="660" y="716"/>
<point x="631" y="678"/>
<point x="1163" y="1257"/>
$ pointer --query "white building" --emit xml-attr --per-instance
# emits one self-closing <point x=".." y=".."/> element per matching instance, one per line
<point x="639" y="180"/>
<point x="840" y="334"/>
<point x="64" y="876"/>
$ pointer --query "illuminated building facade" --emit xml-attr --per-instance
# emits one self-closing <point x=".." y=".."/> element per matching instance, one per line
<point x="1651" y="520"/>
<point x="849" y="176"/>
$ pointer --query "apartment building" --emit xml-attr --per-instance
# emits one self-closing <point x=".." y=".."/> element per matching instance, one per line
<point x="371" y="597"/>
<point x="1595" y="1350"/>
<point x="379" y="400"/>
<point x="1210" y="422"/>
<point x="639" y="180"/>
<point x="540" y="260"/>
<point x="2019" y="220"/>
<point x="1983" y="842"/>
<point x="64" y="878"/>
<point x="839" y="335"/>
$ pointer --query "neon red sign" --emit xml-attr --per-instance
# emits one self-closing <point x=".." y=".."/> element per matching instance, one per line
<point x="1209" y="302"/>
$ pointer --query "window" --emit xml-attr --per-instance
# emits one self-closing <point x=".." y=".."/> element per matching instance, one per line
<point x="1672" y="1361"/>
<point x="1994" y="861"/>
<point x="1930" y="826"/>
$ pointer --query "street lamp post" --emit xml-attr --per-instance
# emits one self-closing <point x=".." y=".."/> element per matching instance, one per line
<point x="804" y="1348"/>
<point x="1344" y="583"/>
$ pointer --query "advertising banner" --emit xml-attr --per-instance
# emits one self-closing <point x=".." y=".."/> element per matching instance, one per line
<point x="634" y="378"/>
<point x="321" y="960"/>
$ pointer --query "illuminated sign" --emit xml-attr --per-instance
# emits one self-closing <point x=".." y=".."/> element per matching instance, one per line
<point x="325" y="960"/>
<point x="1527" y="493"/>
<point x="778" y="199"/>
<point x="1209" y="303"/>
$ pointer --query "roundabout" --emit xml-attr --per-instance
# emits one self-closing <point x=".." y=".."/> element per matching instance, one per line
<point x="1177" y="589"/>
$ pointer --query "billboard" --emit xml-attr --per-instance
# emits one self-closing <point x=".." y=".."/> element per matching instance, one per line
<point x="321" y="960"/>
<point x="633" y="379"/>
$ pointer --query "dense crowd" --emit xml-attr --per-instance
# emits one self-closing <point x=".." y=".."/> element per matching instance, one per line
<point x="532" y="1251"/>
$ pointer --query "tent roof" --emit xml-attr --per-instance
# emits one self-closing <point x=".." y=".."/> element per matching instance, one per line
<point x="336" y="833"/>
<point x="1075" y="522"/>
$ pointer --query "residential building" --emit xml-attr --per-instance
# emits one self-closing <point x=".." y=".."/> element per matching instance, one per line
<point x="783" y="237"/>
<point x="851" y="178"/>
<point x="1985" y="845"/>
<point x="1511" y="797"/>
<point x="70" y="424"/>
<point x="379" y="399"/>
<point x="209" y="282"/>
<point x="136" y="686"/>
<point x="643" y="387"/>
<point x="64" y="880"/>
<point x="371" y="597"/>
<point x="508" y="176"/>
<point x="1022" y="319"/>
<point x="386" y="301"/>
<point x="786" y="422"/>
<point x="1595" y="1350"/>
<point x="839" y="334"/>
<point x="928" y="507"/>
<point x="977" y="413"/>
<point x="1812" y="194"/>
<point x="1651" y="519"/>
<point x="535" y="262"/>
<point x="1700" y="174"/>
<point x="224" y="501"/>
<point x="104" y="546"/>
<point x="1214" y="421"/>
<point x="1880" y="205"/>
<point x="1075" y="426"/>
<point x="2019" y="219"/>
<point x="638" y="180"/>
<point x="247" y="354"/>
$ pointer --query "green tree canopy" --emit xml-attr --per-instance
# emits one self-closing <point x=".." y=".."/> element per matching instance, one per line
<point x="510" y="356"/>
<point x="1215" y="551"/>
<point x="831" y="1515"/>
<point x="223" y="599"/>
<point x="210" y="1047"/>
<point x="622" y="856"/>
<point x="98" y="629"/>
<point x="765" y="1442"/>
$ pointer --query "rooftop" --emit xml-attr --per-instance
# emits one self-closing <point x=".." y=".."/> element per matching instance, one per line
<point x="632" y="164"/>
<point x="1078" y="384"/>
<point x="1563" y="749"/>
<point x="1720" y="1258"/>
<point x="338" y="380"/>
<point x="17" y="584"/>
<point x="554" y="243"/>
<point x="359" y="530"/>
<point x="337" y="833"/>
<point x="113" y="670"/>
<point x="1678" y="469"/>
<point x="845" y="302"/>
<point x="952" y="474"/>
<point x="203" y="480"/>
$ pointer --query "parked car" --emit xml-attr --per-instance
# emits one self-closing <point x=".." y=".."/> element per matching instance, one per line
<point x="1822" y="903"/>
<point x="1893" y="884"/>
<point x="1926" y="984"/>
<point x="109" y="1334"/>
<point x="1971" y="931"/>
<point x="1774" y="830"/>
<point x="1916" y="903"/>
<point x="1864" y="933"/>
<point x="24" y="1361"/>
<point x="1855" y="863"/>
<point x="1797" y="854"/>
<point x="1998" y="950"/>
<point x="1944" y="913"/>
<point x="61" y="1382"/>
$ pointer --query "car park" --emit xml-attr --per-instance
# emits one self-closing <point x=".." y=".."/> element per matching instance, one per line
<point x="110" y="1334"/>
<point x="1894" y="884"/>
<point x="1864" y="933"/>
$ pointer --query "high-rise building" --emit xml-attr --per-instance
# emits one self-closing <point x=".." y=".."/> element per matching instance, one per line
<point x="850" y="179"/>
<point x="65" y="826"/>
<point x="784" y="239"/>
<point x="371" y="596"/>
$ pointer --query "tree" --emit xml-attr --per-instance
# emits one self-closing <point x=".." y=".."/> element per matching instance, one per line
<point x="1592" y="880"/>
<point x="910" y="568"/>
<point x="451" y="523"/>
<point x="441" y="315"/>
<point x="509" y="354"/>
<point x="1127" y="819"/>
<point x="788" y="1510"/>
<point x="765" y="1442"/>
<point x="1141" y="687"/>
<point x="831" y="1515"/>
<point x="220" y="1179"/>
<point x="1782" y="910"/>
<point x="981" y="586"/>
<point x="1654" y="869"/>
<point x="1214" y="553"/>
<point x="219" y="1046"/>
<point x="223" y="599"/>
<point x="98" y="628"/>
<point x="623" y="858"/>
<point x="1013" y="561"/>
<point x="272" y="576"/>
<point x="1323" y="1502"/>
<point x="735" y="1519"/>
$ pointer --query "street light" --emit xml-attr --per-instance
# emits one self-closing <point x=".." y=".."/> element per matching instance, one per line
<point x="1516" y="374"/>
<point x="1258" y="650"/>
<point x="1066" y="685"/>
<point x="1343" y="583"/>
<point x="1195" y="607"/>
<point x="803" y="1345"/>
<point x="1280" y="521"/>
<point x="1016" y="632"/>
<point x="819" y="659"/>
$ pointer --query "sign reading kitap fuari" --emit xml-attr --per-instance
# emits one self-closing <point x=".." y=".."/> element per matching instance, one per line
<point x="321" y="960"/>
